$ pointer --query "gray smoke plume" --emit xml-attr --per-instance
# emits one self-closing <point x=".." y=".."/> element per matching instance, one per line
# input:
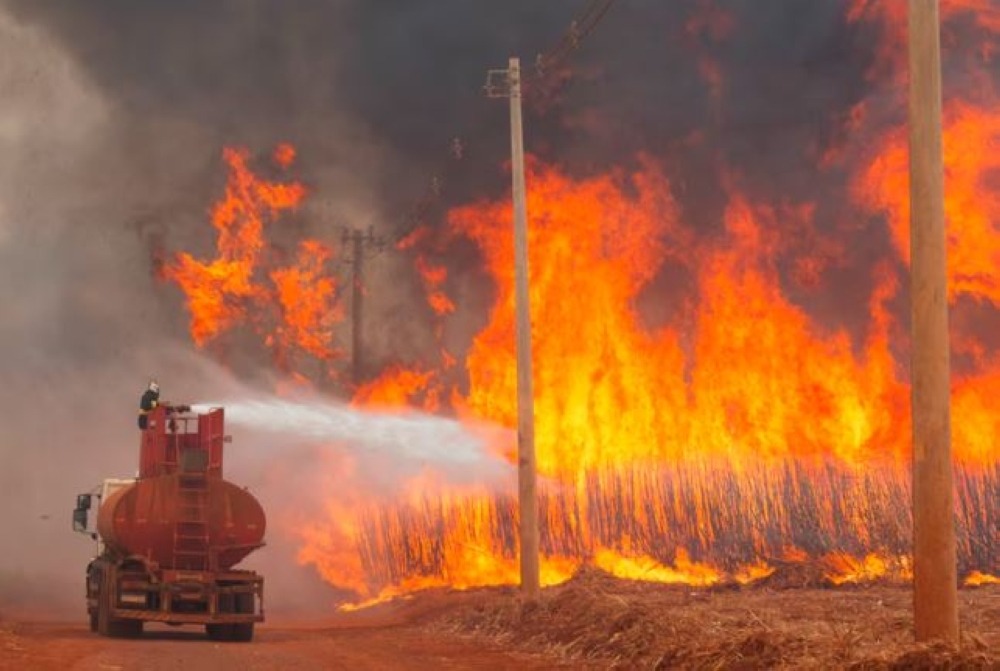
<point x="373" y="93"/>
<point x="92" y="170"/>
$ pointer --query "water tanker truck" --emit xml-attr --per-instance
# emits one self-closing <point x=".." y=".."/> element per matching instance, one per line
<point x="168" y="540"/>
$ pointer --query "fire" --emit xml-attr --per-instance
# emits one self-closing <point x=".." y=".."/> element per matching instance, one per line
<point x="972" y="200"/>
<point x="977" y="578"/>
<point x="751" y="573"/>
<point x="308" y="302"/>
<point x="892" y="18"/>
<point x="398" y="388"/>
<point x="432" y="274"/>
<point x="292" y="307"/>
<point x="591" y="256"/>
<point x="683" y="459"/>
<point x="733" y="435"/>
<point x="846" y="569"/>
<point x="683" y="571"/>
<point x="597" y="377"/>
<point x="695" y="421"/>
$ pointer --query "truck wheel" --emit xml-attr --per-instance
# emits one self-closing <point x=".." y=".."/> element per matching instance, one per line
<point x="93" y="621"/>
<point x="105" y="624"/>
<point x="218" y="632"/>
<point x="125" y="628"/>
<point x="103" y="615"/>
<point x="242" y="632"/>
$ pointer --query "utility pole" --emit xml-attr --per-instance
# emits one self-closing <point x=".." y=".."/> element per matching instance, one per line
<point x="935" y="580"/>
<point x="359" y="242"/>
<point x="507" y="84"/>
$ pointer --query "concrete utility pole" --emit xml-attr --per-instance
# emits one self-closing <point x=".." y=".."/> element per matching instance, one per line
<point x="359" y="243"/>
<point x="935" y="582"/>
<point x="510" y="87"/>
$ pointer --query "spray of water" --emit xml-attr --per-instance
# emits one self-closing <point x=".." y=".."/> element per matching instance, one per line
<point x="412" y="436"/>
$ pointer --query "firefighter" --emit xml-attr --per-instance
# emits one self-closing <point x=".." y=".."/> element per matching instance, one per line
<point x="150" y="399"/>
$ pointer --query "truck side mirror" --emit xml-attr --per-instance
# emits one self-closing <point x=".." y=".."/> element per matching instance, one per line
<point x="80" y="512"/>
<point x="83" y="501"/>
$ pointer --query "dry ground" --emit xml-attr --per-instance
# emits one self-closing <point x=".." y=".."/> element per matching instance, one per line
<point x="592" y="622"/>
<point x="629" y="625"/>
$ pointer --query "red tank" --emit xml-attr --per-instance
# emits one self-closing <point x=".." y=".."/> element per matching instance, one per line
<point x="141" y="519"/>
<point x="180" y="513"/>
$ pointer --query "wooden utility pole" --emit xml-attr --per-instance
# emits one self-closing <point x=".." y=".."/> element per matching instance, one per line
<point x="935" y="581"/>
<point x="510" y="87"/>
<point x="359" y="242"/>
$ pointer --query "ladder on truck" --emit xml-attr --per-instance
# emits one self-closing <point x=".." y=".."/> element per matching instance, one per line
<point x="191" y="542"/>
<point x="199" y="459"/>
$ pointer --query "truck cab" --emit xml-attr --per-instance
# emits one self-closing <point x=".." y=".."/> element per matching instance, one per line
<point x="83" y="521"/>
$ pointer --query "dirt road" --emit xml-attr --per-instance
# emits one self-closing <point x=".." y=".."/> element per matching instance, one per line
<point x="594" y="621"/>
<point x="53" y="646"/>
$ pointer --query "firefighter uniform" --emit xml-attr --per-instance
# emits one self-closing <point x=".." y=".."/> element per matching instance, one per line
<point x="150" y="399"/>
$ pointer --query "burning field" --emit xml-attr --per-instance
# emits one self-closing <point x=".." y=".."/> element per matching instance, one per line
<point x="701" y="418"/>
<point x="735" y="438"/>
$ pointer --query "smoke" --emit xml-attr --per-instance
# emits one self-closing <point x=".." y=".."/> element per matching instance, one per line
<point x="96" y="168"/>
<point x="373" y="93"/>
<point x="723" y="92"/>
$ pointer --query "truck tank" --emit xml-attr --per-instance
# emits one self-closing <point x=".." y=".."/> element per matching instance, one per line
<point x="181" y="513"/>
<point x="148" y="518"/>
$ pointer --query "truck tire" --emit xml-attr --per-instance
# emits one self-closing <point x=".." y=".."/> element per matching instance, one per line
<point x="242" y="632"/>
<point x="107" y="625"/>
<point x="103" y="615"/>
<point x="126" y="628"/>
<point x="93" y="621"/>
<point x="218" y="632"/>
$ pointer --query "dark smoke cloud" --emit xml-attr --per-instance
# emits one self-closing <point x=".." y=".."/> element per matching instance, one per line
<point x="410" y="73"/>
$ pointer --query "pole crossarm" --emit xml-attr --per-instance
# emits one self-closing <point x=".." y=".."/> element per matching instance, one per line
<point x="367" y="240"/>
<point x="497" y="84"/>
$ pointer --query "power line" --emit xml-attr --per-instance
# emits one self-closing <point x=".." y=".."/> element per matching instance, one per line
<point x="547" y="64"/>
<point x="579" y="29"/>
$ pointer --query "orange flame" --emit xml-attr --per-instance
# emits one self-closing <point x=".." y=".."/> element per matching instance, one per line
<point x="398" y="388"/>
<point x="757" y="386"/>
<point x="293" y="308"/>
<point x="598" y="369"/>
<point x="977" y="578"/>
<point x="308" y="302"/>
<point x="432" y="274"/>
<point x="972" y="202"/>
<point x="892" y="17"/>
<point x="846" y="569"/>
<point x="683" y="571"/>
<point x="699" y="440"/>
